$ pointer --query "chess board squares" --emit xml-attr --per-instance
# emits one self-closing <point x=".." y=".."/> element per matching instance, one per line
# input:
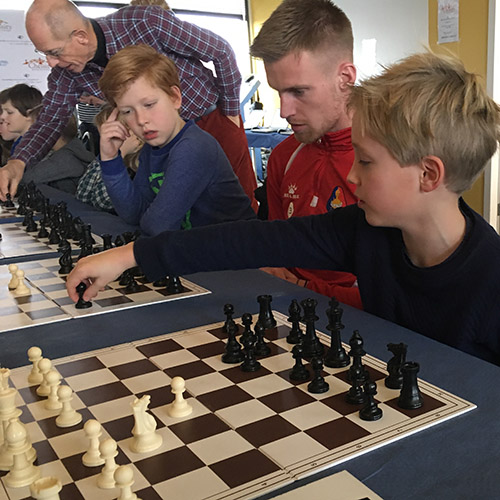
<point x="157" y="348"/>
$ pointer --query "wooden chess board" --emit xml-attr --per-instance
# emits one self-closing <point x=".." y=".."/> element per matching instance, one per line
<point x="248" y="434"/>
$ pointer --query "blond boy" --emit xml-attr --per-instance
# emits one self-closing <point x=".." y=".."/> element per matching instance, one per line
<point x="422" y="132"/>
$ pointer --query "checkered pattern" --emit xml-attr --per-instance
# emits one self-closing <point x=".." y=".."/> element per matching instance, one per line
<point x="49" y="300"/>
<point x="9" y="213"/>
<point x="249" y="433"/>
<point x="16" y="242"/>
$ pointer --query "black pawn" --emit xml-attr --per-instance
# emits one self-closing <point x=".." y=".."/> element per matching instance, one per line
<point x="266" y="317"/>
<point x="317" y="385"/>
<point x="233" y="352"/>
<point x="250" y="364"/>
<point x="336" y="357"/>
<point x="31" y="225"/>
<point x="313" y="348"/>
<point x="174" y="285"/>
<point x="9" y="203"/>
<point x="229" y="313"/>
<point x="42" y="233"/>
<point x="125" y="278"/>
<point x="246" y="319"/>
<point x="106" y="242"/>
<point x="370" y="410"/>
<point x="82" y="304"/>
<point x="410" y="397"/>
<point x="54" y="238"/>
<point x="295" y="335"/>
<point x="355" y="395"/>
<point x="161" y="283"/>
<point x="261" y="348"/>
<point x="299" y="371"/>
<point x="132" y="285"/>
<point x="395" y="378"/>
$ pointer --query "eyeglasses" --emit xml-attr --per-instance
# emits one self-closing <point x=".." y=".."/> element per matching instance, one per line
<point x="55" y="53"/>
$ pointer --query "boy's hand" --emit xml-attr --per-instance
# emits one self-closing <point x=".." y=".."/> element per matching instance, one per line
<point x="113" y="134"/>
<point x="10" y="176"/>
<point x="96" y="271"/>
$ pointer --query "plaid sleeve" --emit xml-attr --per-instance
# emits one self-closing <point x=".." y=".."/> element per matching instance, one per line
<point x="58" y="105"/>
<point x="192" y="42"/>
<point x="91" y="188"/>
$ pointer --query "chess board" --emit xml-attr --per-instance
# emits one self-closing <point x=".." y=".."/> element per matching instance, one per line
<point x="16" y="242"/>
<point x="248" y="434"/>
<point x="9" y="213"/>
<point x="49" y="299"/>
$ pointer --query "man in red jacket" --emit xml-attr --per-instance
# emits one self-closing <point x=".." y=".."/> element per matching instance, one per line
<point x="307" y="46"/>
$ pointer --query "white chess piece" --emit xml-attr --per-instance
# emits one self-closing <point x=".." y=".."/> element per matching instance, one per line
<point x="68" y="416"/>
<point x="145" y="436"/>
<point x="44" y="365"/>
<point x="13" y="280"/>
<point x="124" y="479"/>
<point x="35" y="355"/>
<point x="53" y="379"/>
<point x="46" y="488"/>
<point x="23" y="472"/>
<point x="179" y="407"/>
<point x="92" y="458"/>
<point x="108" y="449"/>
<point x="21" y="289"/>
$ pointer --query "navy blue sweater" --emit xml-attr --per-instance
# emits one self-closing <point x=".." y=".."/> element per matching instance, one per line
<point x="456" y="302"/>
<point x="189" y="181"/>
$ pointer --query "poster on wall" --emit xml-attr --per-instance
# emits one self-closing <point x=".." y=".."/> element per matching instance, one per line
<point x="19" y="63"/>
<point x="447" y="21"/>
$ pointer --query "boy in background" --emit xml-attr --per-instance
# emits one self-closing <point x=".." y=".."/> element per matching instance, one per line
<point x="422" y="132"/>
<point x="184" y="178"/>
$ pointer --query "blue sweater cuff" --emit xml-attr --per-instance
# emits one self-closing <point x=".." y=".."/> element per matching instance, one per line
<point x="112" y="167"/>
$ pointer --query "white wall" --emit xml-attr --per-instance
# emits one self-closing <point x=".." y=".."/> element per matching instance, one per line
<point x="397" y="28"/>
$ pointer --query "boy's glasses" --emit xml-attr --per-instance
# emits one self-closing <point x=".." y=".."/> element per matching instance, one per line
<point x="55" y="53"/>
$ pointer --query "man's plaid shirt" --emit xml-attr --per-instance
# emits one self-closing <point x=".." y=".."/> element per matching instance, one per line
<point x="183" y="42"/>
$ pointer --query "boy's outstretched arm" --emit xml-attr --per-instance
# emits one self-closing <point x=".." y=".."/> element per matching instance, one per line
<point x="96" y="271"/>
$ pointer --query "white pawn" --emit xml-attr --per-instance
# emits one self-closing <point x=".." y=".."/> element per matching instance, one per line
<point x="124" y="479"/>
<point x="21" y="289"/>
<point x="44" y="365"/>
<point x="68" y="416"/>
<point x="46" y="488"/>
<point x="92" y="458"/>
<point x="179" y="407"/>
<point x="13" y="280"/>
<point x="53" y="379"/>
<point x="145" y="437"/>
<point x="35" y="355"/>
<point x="108" y="449"/>
<point x="23" y="472"/>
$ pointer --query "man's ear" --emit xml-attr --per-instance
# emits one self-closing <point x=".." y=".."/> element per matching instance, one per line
<point x="347" y="75"/>
<point x="81" y="36"/>
<point x="432" y="173"/>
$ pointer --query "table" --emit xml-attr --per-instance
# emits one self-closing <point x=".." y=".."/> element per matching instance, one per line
<point x="456" y="459"/>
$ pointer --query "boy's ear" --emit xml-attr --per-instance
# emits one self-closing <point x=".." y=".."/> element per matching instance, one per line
<point x="176" y="96"/>
<point x="432" y="173"/>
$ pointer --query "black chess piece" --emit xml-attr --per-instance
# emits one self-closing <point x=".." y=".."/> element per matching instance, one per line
<point x="65" y="260"/>
<point x="250" y="364"/>
<point x="174" y="285"/>
<point x="8" y="202"/>
<point x="336" y="357"/>
<point x="246" y="319"/>
<point x="355" y="395"/>
<point x="229" y="313"/>
<point x="233" y="352"/>
<point x="370" y="410"/>
<point x="124" y="279"/>
<point x="82" y="304"/>
<point x="161" y="283"/>
<point x="318" y="384"/>
<point x="42" y="233"/>
<point x="132" y="286"/>
<point x="313" y="348"/>
<point x="295" y="335"/>
<point x="410" y="398"/>
<point x="356" y="353"/>
<point x="54" y="238"/>
<point x="299" y="371"/>
<point x="395" y="378"/>
<point x="266" y="317"/>
<point x="261" y="348"/>
<point x="106" y="242"/>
